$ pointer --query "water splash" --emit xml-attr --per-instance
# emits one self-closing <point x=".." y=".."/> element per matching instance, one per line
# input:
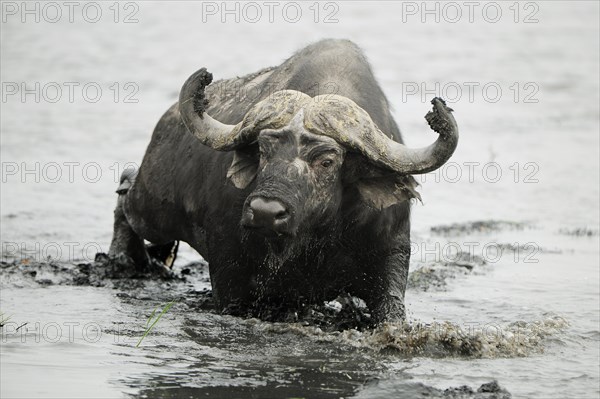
<point x="439" y="339"/>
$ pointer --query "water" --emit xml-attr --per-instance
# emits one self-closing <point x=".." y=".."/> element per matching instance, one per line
<point x="547" y="152"/>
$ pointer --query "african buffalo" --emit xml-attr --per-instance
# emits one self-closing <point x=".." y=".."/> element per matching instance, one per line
<point x="292" y="182"/>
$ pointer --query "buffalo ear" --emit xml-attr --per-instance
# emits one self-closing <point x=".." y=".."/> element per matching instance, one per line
<point x="243" y="168"/>
<point x="384" y="191"/>
<point x="378" y="188"/>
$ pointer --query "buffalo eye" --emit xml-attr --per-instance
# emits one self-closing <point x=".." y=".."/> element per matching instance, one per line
<point x="326" y="163"/>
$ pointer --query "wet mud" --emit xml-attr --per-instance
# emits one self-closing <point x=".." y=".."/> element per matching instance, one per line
<point x="435" y="275"/>
<point x="579" y="232"/>
<point x="477" y="227"/>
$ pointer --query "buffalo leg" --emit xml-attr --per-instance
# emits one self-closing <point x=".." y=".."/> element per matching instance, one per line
<point x="127" y="246"/>
<point x="386" y="282"/>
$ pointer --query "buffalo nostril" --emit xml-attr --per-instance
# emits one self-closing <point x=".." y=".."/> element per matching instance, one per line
<point x="282" y="215"/>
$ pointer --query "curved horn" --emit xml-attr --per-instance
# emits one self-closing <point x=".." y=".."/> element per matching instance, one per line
<point x="272" y="113"/>
<point x="192" y="107"/>
<point x="343" y="120"/>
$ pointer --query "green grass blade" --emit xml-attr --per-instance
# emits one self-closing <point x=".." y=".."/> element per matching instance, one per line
<point x="148" y="329"/>
<point x="151" y="316"/>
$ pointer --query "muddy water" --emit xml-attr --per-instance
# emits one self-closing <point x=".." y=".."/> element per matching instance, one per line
<point x="528" y="159"/>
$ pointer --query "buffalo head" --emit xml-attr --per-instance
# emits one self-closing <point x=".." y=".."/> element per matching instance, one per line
<point x="305" y="152"/>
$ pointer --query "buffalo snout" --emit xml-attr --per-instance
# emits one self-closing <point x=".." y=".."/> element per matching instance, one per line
<point x="269" y="216"/>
